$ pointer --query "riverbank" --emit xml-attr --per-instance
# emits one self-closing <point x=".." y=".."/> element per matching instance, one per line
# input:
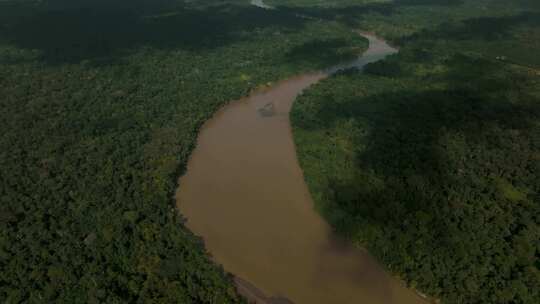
<point x="244" y="174"/>
<point x="99" y="120"/>
<point x="409" y="158"/>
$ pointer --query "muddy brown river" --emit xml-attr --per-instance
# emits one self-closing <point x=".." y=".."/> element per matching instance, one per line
<point x="245" y="194"/>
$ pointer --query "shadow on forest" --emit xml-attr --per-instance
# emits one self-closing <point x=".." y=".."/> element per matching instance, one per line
<point x="485" y="28"/>
<point x="428" y="2"/>
<point x="416" y="166"/>
<point x="323" y="52"/>
<point x="350" y="15"/>
<point x="106" y="32"/>
<point x="437" y="166"/>
<point x="430" y="172"/>
<point x="96" y="32"/>
<point x="410" y="161"/>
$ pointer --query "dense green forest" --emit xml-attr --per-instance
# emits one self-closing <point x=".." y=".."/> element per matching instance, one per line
<point x="431" y="158"/>
<point x="101" y="103"/>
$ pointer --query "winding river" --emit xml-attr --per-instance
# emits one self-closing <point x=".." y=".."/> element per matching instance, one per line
<point x="245" y="194"/>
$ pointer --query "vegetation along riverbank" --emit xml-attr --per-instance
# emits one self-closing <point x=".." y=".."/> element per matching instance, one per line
<point x="430" y="159"/>
<point x="101" y="103"/>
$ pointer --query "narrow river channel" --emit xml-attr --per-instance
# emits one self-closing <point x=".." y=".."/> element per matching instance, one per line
<point x="245" y="194"/>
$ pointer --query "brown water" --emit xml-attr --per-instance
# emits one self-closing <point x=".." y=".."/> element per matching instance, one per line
<point x="245" y="194"/>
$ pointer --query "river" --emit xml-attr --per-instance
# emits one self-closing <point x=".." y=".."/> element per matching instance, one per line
<point x="244" y="193"/>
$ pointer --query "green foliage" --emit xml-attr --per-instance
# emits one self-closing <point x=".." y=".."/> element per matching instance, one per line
<point x="322" y="3"/>
<point x="400" y="19"/>
<point x="431" y="158"/>
<point x="100" y="111"/>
